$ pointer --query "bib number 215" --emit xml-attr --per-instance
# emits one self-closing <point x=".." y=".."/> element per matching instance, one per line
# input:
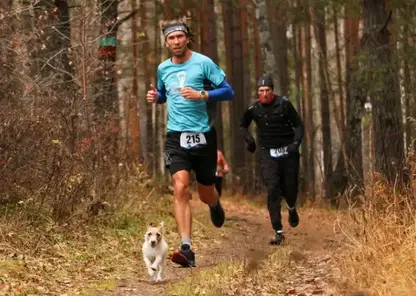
<point x="191" y="140"/>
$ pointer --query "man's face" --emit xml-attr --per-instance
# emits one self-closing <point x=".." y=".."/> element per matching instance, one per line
<point x="177" y="42"/>
<point x="265" y="94"/>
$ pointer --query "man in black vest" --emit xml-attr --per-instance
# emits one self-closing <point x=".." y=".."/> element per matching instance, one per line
<point x="280" y="131"/>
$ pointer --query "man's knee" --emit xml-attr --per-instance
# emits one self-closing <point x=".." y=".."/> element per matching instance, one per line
<point x="181" y="190"/>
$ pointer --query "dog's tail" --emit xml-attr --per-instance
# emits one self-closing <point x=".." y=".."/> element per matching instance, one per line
<point x="162" y="226"/>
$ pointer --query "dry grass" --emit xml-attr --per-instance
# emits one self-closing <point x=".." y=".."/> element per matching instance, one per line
<point x="259" y="274"/>
<point x="381" y="236"/>
<point x="86" y="253"/>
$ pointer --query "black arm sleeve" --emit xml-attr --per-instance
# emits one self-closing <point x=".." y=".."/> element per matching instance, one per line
<point x="296" y="123"/>
<point x="245" y="123"/>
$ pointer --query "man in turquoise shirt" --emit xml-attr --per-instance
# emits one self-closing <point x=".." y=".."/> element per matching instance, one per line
<point x="191" y="140"/>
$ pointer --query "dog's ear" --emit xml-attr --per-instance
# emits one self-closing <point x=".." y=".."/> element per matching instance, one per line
<point x="161" y="227"/>
<point x="151" y="224"/>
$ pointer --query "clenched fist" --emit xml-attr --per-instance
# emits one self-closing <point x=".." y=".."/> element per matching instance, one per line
<point x="152" y="95"/>
<point x="190" y="94"/>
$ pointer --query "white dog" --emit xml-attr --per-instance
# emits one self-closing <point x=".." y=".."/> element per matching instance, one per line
<point x="155" y="251"/>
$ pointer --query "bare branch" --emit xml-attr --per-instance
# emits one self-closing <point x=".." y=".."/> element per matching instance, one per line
<point x="387" y="21"/>
<point x="124" y="19"/>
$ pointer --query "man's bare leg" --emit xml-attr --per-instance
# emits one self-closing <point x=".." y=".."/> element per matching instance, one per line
<point x="209" y="195"/>
<point x="183" y="215"/>
<point x="181" y="205"/>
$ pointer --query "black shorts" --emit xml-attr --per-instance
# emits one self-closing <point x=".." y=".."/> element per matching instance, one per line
<point x="202" y="160"/>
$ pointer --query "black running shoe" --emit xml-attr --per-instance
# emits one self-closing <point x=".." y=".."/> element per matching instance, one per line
<point x="278" y="239"/>
<point x="184" y="257"/>
<point x="217" y="215"/>
<point x="293" y="217"/>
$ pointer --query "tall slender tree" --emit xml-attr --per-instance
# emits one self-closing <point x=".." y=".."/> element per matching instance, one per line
<point x="245" y="99"/>
<point x="318" y="14"/>
<point x="134" y="123"/>
<point x="277" y="19"/>
<point x="383" y="91"/>
<point x="266" y="43"/>
<point x="354" y="101"/>
<point x="235" y="70"/>
<point x="106" y="97"/>
<point x="209" y="47"/>
<point x="307" y="106"/>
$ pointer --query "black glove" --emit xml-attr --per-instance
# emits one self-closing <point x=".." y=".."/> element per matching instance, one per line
<point x="251" y="146"/>
<point x="293" y="147"/>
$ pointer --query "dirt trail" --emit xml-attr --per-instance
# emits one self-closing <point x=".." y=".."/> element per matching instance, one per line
<point x="311" y="270"/>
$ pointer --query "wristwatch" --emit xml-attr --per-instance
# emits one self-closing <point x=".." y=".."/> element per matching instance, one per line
<point x="203" y="94"/>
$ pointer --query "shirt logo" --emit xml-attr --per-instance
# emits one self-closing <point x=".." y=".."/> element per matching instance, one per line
<point x="181" y="79"/>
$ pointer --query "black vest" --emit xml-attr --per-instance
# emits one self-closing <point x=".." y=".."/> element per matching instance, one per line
<point x="273" y="123"/>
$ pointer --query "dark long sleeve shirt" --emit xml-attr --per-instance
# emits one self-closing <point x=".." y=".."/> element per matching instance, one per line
<point x="278" y="123"/>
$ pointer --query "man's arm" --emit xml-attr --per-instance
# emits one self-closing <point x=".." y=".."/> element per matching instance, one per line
<point x="222" y="163"/>
<point x="161" y="94"/>
<point x="226" y="166"/>
<point x="161" y="89"/>
<point x="245" y="123"/>
<point x="223" y="92"/>
<point x="296" y="123"/>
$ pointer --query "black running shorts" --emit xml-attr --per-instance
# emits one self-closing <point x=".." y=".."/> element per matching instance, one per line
<point x="202" y="159"/>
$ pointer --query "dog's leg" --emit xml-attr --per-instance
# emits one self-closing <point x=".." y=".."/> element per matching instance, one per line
<point x="157" y="264"/>
<point x="149" y="266"/>
<point x="161" y="270"/>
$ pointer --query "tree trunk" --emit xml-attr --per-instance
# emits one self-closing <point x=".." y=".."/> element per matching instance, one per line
<point x="237" y="106"/>
<point x="258" y="66"/>
<point x="245" y="99"/>
<point x="277" y="20"/>
<point x="307" y="106"/>
<point x="409" y="96"/>
<point x="134" y="121"/>
<point x="210" y="48"/>
<point x="354" y="103"/>
<point x="148" y="67"/>
<point x="382" y="88"/>
<point x="318" y="14"/>
<point x="106" y="96"/>
<point x="266" y="43"/>
<point x="258" y="70"/>
<point x="152" y="31"/>
<point x="296" y="49"/>
<point x="339" y="177"/>
<point x="235" y="59"/>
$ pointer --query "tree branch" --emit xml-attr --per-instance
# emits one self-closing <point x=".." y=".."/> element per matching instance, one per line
<point x="387" y="21"/>
<point x="124" y="19"/>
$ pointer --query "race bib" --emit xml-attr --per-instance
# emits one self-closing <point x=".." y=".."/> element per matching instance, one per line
<point x="192" y="140"/>
<point x="279" y="152"/>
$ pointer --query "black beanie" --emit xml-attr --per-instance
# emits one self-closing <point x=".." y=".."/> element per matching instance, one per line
<point x="265" y="81"/>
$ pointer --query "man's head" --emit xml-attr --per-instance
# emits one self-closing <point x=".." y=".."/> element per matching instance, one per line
<point x="265" y="89"/>
<point x="177" y="37"/>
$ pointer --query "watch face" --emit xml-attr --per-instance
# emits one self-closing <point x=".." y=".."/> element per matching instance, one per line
<point x="203" y="92"/>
